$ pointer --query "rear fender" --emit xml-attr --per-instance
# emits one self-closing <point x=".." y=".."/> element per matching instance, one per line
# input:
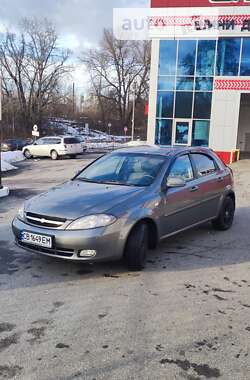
<point x="228" y="193"/>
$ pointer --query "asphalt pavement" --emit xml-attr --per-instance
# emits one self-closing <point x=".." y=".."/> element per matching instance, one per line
<point x="186" y="316"/>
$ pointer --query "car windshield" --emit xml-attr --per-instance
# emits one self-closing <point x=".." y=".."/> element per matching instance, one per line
<point x="124" y="169"/>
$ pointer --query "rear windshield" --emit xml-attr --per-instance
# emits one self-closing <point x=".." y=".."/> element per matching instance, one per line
<point x="71" y="140"/>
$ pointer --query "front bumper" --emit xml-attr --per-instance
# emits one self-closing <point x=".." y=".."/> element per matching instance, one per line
<point x="107" y="242"/>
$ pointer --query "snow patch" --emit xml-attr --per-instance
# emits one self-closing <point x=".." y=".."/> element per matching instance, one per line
<point x="8" y="158"/>
<point x="101" y="145"/>
<point x="6" y="166"/>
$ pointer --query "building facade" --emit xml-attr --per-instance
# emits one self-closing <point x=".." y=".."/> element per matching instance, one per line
<point x="200" y="76"/>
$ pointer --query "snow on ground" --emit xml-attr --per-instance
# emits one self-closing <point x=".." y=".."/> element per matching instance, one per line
<point x="72" y="131"/>
<point x="5" y="166"/>
<point x="8" y="158"/>
<point x="102" y="145"/>
<point x="74" y="128"/>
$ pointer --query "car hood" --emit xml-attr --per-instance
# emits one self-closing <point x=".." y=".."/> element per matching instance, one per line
<point x="74" y="199"/>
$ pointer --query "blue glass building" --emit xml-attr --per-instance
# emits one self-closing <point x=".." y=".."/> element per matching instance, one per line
<point x="200" y="93"/>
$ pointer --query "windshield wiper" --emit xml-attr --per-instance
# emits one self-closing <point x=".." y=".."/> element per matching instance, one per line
<point x="109" y="182"/>
<point x="114" y="182"/>
<point x="84" y="179"/>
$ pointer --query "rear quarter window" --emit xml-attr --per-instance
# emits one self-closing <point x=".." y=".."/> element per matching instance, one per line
<point x="71" y="140"/>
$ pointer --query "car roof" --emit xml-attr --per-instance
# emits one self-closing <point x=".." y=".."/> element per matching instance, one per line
<point x="58" y="137"/>
<point x="14" y="139"/>
<point x="168" y="151"/>
<point x="51" y="137"/>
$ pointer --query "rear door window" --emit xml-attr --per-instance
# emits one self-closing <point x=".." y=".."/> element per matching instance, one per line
<point x="71" y="140"/>
<point x="54" y="141"/>
<point x="204" y="164"/>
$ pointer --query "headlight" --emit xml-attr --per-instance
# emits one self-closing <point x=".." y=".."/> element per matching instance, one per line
<point x="21" y="213"/>
<point x="92" y="221"/>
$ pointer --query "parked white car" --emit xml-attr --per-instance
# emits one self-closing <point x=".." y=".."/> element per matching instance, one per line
<point x="54" y="147"/>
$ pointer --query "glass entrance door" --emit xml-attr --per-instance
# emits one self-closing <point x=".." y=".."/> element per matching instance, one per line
<point x="182" y="132"/>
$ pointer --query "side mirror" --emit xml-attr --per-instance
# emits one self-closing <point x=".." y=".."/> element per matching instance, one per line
<point x="175" y="182"/>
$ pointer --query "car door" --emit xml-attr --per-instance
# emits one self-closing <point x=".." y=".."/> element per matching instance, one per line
<point x="36" y="148"/>
<point x="211" y="183"/>
<point x="45" y="147"/>
<point x="180" y="204"/>
<point x="52" y="143"/>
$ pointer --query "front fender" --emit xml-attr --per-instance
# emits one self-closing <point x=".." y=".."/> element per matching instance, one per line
<point x="133" y="218"/>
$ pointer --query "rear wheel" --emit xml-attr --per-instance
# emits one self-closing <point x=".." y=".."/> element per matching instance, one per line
<point x="226" y="216"/>
<point x="54" y="155"/>
<point x="27" y="154"/>
<point x="136" y="247"/>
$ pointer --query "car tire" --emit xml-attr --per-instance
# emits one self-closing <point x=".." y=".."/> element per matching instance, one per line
<point x="136" y="247"/>
<point x="226" y="216"/>
<point x="54" y="155"/>
<point x="72" y="156"/>
<point x="27" y="154"/>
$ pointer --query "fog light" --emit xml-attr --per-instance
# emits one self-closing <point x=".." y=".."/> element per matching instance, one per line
<point x="87" y="253"/>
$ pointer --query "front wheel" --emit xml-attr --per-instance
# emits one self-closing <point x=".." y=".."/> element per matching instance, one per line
<point x="136" y="247"/>
<point x="54" y="155"/>
<point x="226" y="216"/>
<point x="27" y="154"/>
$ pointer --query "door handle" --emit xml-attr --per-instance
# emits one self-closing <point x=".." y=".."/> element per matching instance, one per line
<point x="194" y="188"/>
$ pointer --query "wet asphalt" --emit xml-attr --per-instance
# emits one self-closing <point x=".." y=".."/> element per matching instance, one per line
<point x="186" y="316"/>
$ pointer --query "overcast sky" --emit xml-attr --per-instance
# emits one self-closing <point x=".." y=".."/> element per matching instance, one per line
<point x="79" y="22"/>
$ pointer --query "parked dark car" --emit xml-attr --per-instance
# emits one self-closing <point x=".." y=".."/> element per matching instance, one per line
<point x="126" y="202"/>
<point x="13" y="144"/>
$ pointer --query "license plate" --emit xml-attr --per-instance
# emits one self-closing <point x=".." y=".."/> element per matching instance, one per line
<point x="36" y="239"/>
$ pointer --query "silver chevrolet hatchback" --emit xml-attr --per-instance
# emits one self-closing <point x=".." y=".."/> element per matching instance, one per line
<point x="123" y="203"/>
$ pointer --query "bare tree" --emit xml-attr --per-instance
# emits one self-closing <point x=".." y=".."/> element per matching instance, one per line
<point x="33" y="66"/>
<point x="114" y="67"/>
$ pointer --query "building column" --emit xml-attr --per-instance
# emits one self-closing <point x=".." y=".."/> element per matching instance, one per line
<point x="224" y="120"/>
<point x="153" y="91"/>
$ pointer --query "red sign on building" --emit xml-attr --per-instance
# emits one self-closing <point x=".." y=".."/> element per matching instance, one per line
<point x="197" y="3"/>
<point x="232" y="84"/>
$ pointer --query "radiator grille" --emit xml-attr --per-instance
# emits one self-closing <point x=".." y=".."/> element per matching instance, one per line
<point x="44" y="221"/>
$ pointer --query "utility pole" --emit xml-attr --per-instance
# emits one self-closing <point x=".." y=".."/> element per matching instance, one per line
<point x="4" y="191"/>
<point x="73" y="98"/>
<point x="1" y="186"/>
<point x="109" y="128"/>
<point x="133" y="111"/>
